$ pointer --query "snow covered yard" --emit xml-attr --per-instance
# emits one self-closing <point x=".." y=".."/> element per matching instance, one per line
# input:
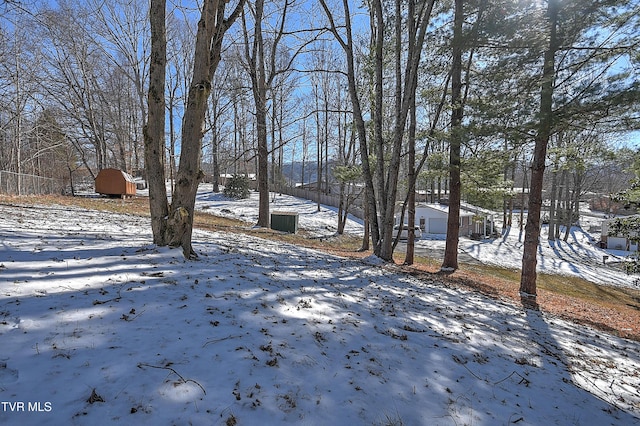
<point x="319" y="223"/>
<point x="576" y="257"/>
<point x="98" y="326"/>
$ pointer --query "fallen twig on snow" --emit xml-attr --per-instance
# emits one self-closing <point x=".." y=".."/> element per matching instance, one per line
<point x="140" y="365"/>
<point x="525" y="380"/>
<point x="220" y="340"/>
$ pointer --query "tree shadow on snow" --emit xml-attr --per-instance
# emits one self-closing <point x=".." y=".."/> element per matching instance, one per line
<point x="267" y="333"/>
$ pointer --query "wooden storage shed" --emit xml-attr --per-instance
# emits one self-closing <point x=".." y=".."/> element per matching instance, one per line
<point x="114" y="182"/>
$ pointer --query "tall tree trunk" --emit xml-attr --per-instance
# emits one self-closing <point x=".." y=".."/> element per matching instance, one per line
<point x="553" y="219"/>
<point x="154" y="128"/>
<point x="406" y="86"/>
<point x="172" y="141"/>
<point x="260" y="84"/>
<point x="523" y="195"/>
<point x="568" y="211"/>
<point x="528" y="290"/>
<point x="377" y="46"/>
<point x="215" y="166"/>
<point x="263" y="167"/>
<point x="366" y="238"/>
<point x="211" y="29"/>
<point x="304" y="150"/>
<point x="342" y="214"/>
<point x="372" y="230"/>
<point x="325" y="134"/>
<point x="215" y="142"/>
<point x="180" y="221"/>
<point x="450" y="261"/>
<point x="260" y="98"/>
<point x="412" y="176"/>
<point x="318" y="149"/>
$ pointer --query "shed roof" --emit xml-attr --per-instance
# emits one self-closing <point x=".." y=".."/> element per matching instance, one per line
<point x="114" y="173"/>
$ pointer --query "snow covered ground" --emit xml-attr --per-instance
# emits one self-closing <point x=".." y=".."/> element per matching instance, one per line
<point x="99" y="326"/>
<point x="578" y="256"/>
<point x="317" y="223"/>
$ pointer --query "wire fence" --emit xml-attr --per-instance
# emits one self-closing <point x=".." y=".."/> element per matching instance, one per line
<point x="319" y="197"/>
<point x="12" y="183"/>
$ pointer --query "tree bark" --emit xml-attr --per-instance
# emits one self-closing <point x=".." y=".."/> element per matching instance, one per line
<point x="215" y="165"/>
<point x="568" y="211"/>
<point x="377" y="46"/>
<point x="450" y="261"/>
<point x="412" y="176"/>
<point x="259" y="86"/>
<point x="411" y="160"/>
<point x="553" y="219"/>
<point x="179" y="220"/>
<point x="528" y="290"/>
<point x="154" y="128"/>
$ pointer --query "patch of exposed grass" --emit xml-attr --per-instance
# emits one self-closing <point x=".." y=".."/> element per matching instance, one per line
<point x="583" y="289"/>
<point x="570" y="286"/>
<point x="136" y="205"/>
<point x="210" y="222"/>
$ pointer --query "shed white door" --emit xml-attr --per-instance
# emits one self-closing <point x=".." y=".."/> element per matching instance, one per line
<point x="616" y="243"/>
<point x="437" y="225"/>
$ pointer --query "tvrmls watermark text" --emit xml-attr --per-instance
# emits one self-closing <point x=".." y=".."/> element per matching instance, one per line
<point x="26" y="406"/>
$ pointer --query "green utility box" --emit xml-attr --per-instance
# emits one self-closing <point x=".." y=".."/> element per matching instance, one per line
<point x="285" y="221"/>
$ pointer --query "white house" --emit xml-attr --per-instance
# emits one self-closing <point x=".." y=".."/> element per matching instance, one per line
<point x="432" y="219"/>
<point x="616" y="242"/>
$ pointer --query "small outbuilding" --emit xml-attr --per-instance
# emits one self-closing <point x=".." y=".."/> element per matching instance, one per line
<point x="115" y="183"/>
<point x="285" y="221"/>
<point x="624" y="242"/>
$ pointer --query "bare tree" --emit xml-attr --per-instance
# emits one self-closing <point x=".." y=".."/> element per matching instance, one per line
<point x="75" y="73"/>
<point x="255" y="56"/>
<point x="121" y="30"/>
<point x="154" y="129"/>
<point x="179" y="222"/>
<point x="180" y="47"/>
<point x="267" y="56"/>
<point x="382" y="190"/>
<point x="343" y="33"/>
<point x="220" y="109"/>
